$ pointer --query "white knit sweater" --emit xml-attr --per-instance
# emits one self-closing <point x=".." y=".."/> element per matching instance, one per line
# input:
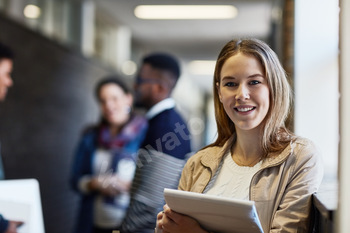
<point x="231" y="180"/>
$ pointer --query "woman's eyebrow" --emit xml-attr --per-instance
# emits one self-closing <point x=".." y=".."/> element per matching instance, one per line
<point x="256" y="75"/>
<point x="249" y="77"/>
<point x="228" y="77"/>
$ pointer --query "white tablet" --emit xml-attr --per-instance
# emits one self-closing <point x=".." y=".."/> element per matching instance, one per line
<point x="218" y="214"/>
<point x="20" y="200"/>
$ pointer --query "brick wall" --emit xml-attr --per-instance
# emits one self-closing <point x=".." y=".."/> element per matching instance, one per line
<point x="40" y="122"/>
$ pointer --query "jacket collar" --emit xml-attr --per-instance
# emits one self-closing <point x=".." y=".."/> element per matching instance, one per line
<point x="160" y="107"/>
<point x="213" y="155"/>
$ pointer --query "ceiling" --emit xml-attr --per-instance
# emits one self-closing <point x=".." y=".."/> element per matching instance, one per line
<point x="191" y="39"/>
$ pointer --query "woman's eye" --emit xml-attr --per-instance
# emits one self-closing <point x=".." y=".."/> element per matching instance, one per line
<point x="254" y="82"/>
<point x="230" y="84"/>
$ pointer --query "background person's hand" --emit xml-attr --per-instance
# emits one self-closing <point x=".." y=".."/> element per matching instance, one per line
<point x="109" y="185"/>
<point x="12" y="227"/>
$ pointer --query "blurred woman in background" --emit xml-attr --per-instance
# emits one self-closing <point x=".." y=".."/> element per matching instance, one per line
<point x="105" y="159"/>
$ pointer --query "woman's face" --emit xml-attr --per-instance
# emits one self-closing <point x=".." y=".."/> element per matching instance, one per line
<point x="115" y="104"/>
<point x="244" y="91"/>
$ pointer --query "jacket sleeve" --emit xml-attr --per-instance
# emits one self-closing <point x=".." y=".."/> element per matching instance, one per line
<point x="305" y="176"/>
<point x="82" y="160"/>
<point x="3" y="224"/>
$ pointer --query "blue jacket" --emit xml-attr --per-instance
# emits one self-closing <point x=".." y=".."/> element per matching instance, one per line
<point x="83" y="165"/>
<point x="3" y="224"/>
<point x="167" y="132"/>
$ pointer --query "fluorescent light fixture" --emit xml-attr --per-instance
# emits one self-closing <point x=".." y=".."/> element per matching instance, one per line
<point x="202" y="67"/>
<point x="32" y="11"/>
<point x="185" y="11"/>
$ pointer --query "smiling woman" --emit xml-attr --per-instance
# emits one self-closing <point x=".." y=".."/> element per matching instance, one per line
<point x="255" y="157"/>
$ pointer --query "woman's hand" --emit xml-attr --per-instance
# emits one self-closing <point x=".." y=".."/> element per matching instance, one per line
<point x="159" y="224"/>
<point x="172" y="222"/>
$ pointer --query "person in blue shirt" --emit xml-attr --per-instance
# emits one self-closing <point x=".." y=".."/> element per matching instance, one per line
<point x="166" y="146"/>
<point x="6" y="65"/>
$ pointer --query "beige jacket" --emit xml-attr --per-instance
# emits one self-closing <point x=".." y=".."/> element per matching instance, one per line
<point x="281" y="189"/>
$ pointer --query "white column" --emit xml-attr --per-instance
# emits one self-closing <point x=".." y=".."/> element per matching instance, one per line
<point x="122" y="51"/>
<point x="48" y="21"/>
<point x="316" y="76"/>
<point x="88" y="27"/>
<point x="343" y="214"/>
<point x="115" y="43"/>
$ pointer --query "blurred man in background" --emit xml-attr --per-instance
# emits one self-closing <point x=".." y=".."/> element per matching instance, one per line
<point x="166" y="144"/>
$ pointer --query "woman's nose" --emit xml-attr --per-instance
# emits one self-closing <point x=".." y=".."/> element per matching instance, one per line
<point x="242" y="93"/>
<point x="109" y="105"/>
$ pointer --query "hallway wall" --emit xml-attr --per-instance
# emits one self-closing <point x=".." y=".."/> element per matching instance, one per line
<point x="41" y="120"/>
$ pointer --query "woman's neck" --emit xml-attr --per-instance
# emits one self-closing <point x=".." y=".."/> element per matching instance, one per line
<point x="247" y="150"/>
<point x="114" y="130"/>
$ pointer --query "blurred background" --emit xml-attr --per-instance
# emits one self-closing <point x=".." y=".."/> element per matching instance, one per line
<point x="63" y="47"/>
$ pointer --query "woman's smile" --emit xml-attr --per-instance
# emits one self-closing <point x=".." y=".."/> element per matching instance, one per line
<point x="242" y="109"/>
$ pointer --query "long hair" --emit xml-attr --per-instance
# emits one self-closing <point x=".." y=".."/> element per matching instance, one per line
<point x="275" y="134"/>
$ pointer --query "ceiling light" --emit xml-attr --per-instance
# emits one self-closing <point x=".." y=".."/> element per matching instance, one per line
<point x="129" y="68"/>
<point x="202" y="67"/>
<point x="185" y="11"/>
<point x="32" y="12"/>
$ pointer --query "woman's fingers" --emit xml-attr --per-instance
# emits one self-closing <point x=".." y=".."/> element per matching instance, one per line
<point x="176" y="217"/>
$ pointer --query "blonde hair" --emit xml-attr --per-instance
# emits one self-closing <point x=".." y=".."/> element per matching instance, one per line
<point x="275" y="135"/>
